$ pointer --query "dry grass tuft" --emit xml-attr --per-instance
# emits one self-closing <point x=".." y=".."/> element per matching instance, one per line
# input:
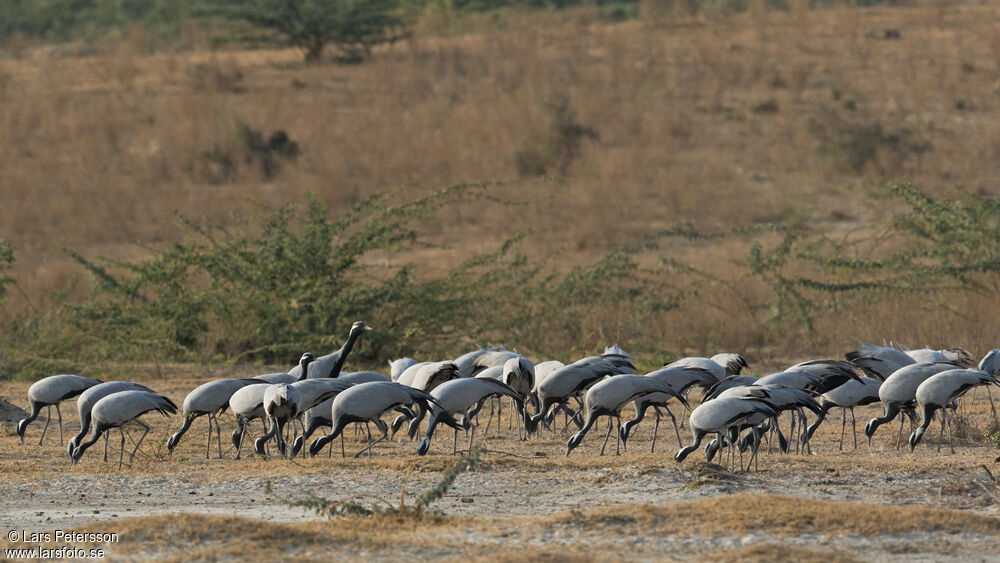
<point x="774" y="552"/>
<point x="783" y="516"/>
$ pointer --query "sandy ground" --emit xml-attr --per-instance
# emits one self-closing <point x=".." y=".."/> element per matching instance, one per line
<point x="41" y="491"/>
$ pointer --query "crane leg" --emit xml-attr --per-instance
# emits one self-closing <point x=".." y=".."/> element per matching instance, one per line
<point x="803" y="434"/>
<point x="489" y="421"/>
<point x="106" y="433"/>
<point x="369" y="430"/>
<point x="736" y="446"/>
<point x="673" y="419"/>
<point x="218" y="434"/>
<point x="951" y="435"/>
<point x="342" y="454"/>
<point x="656" y="426"/>
<point x="944" y="420"/>
<point x="121" y="452"/>
<point x="208" y="445"/>
<point x="145" y="427"/>
<point x="899" y="436"/>
<point x="510" y="419"/>
<point x="59" y="412"/>
<point x="618" y="435"/>
<point x="610" y="427"/>
<point x="499" y="404"/>
<point x="454" y="445"/>
<point x="243" y="433"/>
<point x="48" y="416"/>
<point x="369" y="447"/>
<point x="854" y="429"/>
<point x="843" y="427"/>
<point x="791" y="434"/>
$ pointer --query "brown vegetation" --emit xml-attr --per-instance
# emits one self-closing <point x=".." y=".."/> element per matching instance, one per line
<point x="730" y="121"/>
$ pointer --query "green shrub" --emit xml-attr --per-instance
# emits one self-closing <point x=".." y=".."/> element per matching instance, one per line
<point x="937" y="246"/>
<point x="352" y="26"/>
<point x="270" y="286"/>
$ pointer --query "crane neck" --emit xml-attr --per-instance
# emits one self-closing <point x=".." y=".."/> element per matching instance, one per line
<point x="344" y="351"/>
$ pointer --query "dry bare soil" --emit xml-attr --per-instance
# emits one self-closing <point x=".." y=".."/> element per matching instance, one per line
<point x="523" y="498"/>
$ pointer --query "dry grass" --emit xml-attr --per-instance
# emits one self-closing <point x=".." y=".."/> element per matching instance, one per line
<point x="702" y="120"/>
<point x="177" y="536"/>
<point x="774" y="552"/>
<point x="783" y="516"/>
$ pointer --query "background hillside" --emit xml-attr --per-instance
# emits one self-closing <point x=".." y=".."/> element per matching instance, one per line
<point x="712" y="173"/>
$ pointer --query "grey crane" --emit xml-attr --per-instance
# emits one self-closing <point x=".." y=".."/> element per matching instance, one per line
<point x="464" y="362"/>
<point x="397" y="367"/>
<point x="210" y="399"/>
<point x="826" y="375"/>
<point x="425" y="376"/>
<point x="566" y="382"/>
<point x="247" y="405"/>
<point x="938" y="391"/>
<point x="879" y="361"/>
<point x="277" y="378"/>
<point x="719" y="416"/>
<point x="50" y="391"/>
<point x="461" y="396"/>
<point x="607" y="397"/>
<point x="728" y="383"/>
<point x="331" y="364"/>
<point x="281" y="404"/>
<point x="782" y="398"/>
<point x="991" y="362"/>
<point x="488" y="359"/>
<point x="848" y="396"/>
<point x="118" y="409"/>
<point x="719" y="365"/>
<point x="518" y="372"/>
<point x="366" y="402"/>
<point x="619" y="358"/>
<point x="956" y="355"/>
<point x="898" y="393"/>
<point x="681" y="379"/>
<point x="319" y="416"/>
<point x="86" y="401"/>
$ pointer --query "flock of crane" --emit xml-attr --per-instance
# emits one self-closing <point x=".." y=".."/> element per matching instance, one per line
<point x="738" y="411"/>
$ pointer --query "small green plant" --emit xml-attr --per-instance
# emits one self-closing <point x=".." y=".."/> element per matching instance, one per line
<point x="330" y="508"/>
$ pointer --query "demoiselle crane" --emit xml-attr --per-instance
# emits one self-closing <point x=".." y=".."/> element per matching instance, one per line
<point x="938" y="391"/>
<point x="331" y="364"/>
<point x="86" y="401"/>
<point x="719" y="416"/>
<point x="49" y="392"/>
<point x="898" y="393"/>
<point x="118" y="409"/>
<point x="607" y="397"/>
<point x="367" y="402"/>
<point x="460" y="396"/>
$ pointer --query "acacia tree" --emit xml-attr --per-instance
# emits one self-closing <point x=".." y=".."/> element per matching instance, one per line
<point x="352" y="26"/>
